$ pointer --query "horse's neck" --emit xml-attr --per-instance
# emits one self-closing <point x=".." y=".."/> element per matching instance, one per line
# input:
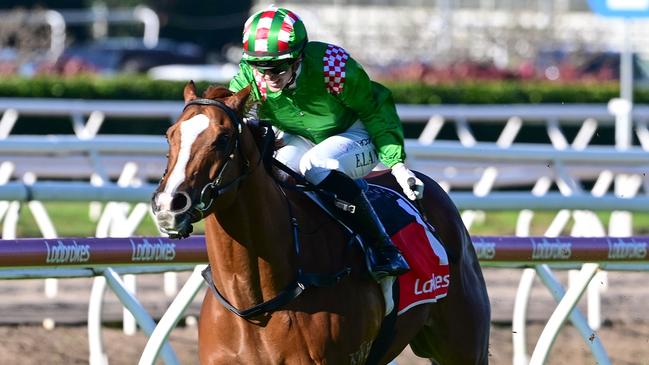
<point x="249" y="242"/>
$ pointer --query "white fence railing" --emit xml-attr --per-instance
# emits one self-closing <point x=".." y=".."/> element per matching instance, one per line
<point x="444" y="160"/>
<point x="483" y="167"/>
<point x="87" y="116"/>
<point x="33" y="260"/>
<point x="118" y="169"/>
<point x="84" y="192"/>
<point x="465" y="200"/>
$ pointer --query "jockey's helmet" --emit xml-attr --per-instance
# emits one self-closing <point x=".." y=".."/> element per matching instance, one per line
<point x="273" y="36"/>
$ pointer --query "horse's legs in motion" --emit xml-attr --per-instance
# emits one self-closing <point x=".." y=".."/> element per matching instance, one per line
<point x="407" y="327"/>
<point x="457" y="330"/>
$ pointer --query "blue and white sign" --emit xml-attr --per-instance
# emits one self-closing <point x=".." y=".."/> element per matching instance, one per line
<point x="620" y="8"/>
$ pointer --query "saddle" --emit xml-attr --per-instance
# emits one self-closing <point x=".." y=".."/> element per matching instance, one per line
<point x="429" y="278"/>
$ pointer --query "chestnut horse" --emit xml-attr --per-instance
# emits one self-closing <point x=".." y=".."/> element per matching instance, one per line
<point x="261" y="236"/>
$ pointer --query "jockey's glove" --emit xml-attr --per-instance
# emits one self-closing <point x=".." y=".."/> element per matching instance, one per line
<point x="411" y="185"/>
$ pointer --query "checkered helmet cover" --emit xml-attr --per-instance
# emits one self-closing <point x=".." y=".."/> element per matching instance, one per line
<point x="273" y="34"/>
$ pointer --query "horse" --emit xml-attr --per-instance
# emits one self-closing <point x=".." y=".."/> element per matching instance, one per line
<point x="260" y="235"/>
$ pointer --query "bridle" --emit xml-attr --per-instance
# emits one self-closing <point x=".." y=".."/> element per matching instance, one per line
<point x="216" y="187"/>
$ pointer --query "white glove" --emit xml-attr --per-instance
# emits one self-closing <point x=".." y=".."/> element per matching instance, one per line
<point x="411" y="185"/>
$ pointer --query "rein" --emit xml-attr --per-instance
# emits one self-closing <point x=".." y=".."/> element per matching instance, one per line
<point x="302" y="282"/>
<point x="214" y="189"/>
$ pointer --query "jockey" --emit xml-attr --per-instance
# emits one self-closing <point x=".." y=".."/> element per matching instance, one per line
<point x="335" y="123"/>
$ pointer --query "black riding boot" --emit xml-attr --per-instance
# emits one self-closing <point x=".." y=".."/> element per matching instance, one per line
<point x="384" y="258"/>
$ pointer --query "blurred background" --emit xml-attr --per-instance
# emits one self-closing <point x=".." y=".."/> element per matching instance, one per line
<point x="424" y="40"/>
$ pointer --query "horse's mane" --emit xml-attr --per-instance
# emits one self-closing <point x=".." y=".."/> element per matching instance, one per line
<point x="217" y="92"/>
<point x="257" y="128"/>
<point x="222" y="92"/>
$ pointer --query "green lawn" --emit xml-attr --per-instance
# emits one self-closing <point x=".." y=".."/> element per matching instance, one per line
<point x="504" y="223"/>
<point x="73" y="220"/>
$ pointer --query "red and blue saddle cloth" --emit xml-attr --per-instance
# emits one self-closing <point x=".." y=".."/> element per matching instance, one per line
<point x="428" y="279"/>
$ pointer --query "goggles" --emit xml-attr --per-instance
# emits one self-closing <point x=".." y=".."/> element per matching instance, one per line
<point x="272" y="67"/>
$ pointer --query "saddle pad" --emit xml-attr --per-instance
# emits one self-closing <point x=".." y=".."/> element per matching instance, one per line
<point x="428" y="278"/>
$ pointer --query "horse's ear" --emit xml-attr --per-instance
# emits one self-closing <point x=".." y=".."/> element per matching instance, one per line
<point x="237" y="100"/>
<point x="189" y="93"/>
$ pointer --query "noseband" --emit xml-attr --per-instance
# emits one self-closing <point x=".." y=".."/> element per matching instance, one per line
<point x="216" y="188"/>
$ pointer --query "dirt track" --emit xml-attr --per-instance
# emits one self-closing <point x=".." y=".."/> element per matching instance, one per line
<point x="23" y="306"/>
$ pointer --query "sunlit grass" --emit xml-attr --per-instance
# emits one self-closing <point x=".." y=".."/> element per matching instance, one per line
<point x="73" y="220"/>
<point x="504" y="223"/>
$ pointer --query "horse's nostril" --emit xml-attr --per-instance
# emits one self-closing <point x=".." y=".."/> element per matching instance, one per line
<point x="165" y="218"/>
<point x="180" y="202"/>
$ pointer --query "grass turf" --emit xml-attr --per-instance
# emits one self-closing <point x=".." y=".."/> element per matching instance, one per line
<point x="72" y="219"/>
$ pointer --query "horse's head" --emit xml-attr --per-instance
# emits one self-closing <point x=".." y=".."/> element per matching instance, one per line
<point x="202" y="163"/>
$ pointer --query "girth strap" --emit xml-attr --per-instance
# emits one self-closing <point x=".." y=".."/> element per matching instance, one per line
<point x="303" y="282"/>
<point x="292" y="291"/>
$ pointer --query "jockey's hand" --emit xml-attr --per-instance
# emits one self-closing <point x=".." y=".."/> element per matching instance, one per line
<point x="411" y="185"/>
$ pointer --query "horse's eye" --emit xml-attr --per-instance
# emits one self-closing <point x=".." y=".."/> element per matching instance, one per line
<point x="221" y="142"/>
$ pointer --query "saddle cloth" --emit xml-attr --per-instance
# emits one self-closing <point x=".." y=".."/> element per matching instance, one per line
<point x="428" y="279"/>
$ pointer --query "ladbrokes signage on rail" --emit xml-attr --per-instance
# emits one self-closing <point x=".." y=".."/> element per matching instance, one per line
<point x="551" y="250"/>
<point x="562" y="249"/>
<point x="71" y="253"/>
<point x="66" y="252"/>
<point x="159" y="251"/>
<point x="621" y="249"/>
<point x="541" y="249"/>
<point x="485" y="250"/>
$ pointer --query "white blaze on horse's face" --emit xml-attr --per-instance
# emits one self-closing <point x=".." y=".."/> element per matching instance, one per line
<point x="190" y="129"/>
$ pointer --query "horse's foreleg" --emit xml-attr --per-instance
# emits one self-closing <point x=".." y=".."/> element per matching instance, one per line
<point x="212" y="342"/>
<point x="407" y="326"/>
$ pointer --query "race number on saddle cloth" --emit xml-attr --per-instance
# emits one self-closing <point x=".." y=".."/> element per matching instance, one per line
<point x="428" y="278"/>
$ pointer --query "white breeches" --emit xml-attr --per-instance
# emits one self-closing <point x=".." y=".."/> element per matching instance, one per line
<point x="350" y="152"/>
